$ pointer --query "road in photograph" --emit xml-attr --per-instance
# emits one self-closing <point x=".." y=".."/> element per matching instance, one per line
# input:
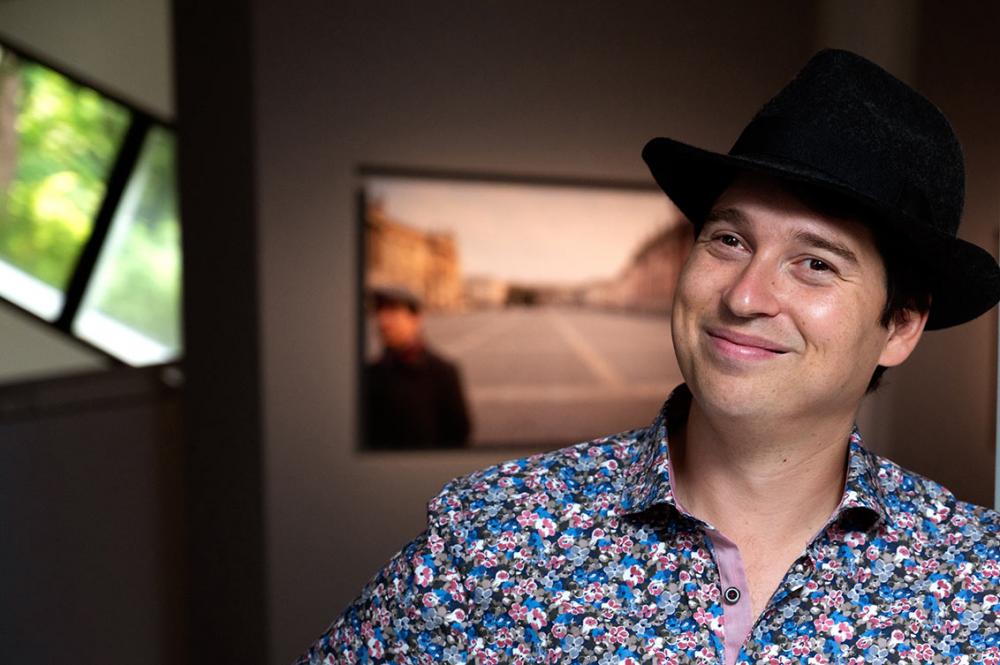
<point x="554" y="376"/>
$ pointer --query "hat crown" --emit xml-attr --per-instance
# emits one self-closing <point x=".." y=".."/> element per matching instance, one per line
<point x="847" y="127"/>
<point x="855" y="123"/>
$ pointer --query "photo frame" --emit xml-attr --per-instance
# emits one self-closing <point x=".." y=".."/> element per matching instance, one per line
<point x="538" y="306"/>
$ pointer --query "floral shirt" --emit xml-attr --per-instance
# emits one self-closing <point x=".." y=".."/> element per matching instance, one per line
<point x="582" y="556"/>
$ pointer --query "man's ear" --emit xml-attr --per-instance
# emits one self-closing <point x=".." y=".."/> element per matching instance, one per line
<point x="905" y="330"/>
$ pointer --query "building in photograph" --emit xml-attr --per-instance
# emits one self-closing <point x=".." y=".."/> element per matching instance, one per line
<point x="427" y="263"/>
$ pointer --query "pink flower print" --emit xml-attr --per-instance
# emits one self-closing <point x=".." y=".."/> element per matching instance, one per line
<point x="506" y="542"/>
<point x="634" y="576"/>
<point x="854" y="539"/>
<point x="841" y="632"/>
<point x="702" y="617"/>
<point x="823" y="624"/>
<point x="545" y="527"/>
<point x="800" y="646"/>
<point x="686" y="641"/>
<point x="518" y="612"/>
<point x="435" y="544"/>
<point x="527" y="518"/>
<point x="504" y="638"/>
<point x="618" y="634"/>
<point x="423" y="575"/>
<point x="537" y="618"/>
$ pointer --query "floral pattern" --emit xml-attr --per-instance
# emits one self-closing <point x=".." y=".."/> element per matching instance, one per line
<point x="580" y="556"/>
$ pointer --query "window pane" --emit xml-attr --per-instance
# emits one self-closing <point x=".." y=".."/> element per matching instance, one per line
<point x="58" y="141"/>
<point x="132" y="306"/>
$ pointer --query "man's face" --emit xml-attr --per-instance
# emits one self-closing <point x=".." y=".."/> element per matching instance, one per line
<point x="777" y="310"/>
<point x="398" y="326"/>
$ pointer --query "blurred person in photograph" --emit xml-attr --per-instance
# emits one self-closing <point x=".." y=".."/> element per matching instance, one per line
<point x="748" y="523"/>
<point x="413" y="396"/>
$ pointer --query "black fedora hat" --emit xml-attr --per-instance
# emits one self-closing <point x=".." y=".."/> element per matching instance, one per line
<point x="846" y="126"/>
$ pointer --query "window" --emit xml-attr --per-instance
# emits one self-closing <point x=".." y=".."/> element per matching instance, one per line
<point x="58" y="141"/>
<point x="89" y="228"/>
<point x="132" y="304"/>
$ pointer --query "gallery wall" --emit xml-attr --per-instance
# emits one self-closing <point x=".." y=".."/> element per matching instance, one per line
<point x="524" y="89"/>
<point x="90" y="460"/>
<point x="124" y="47"/>
<point x="565" y="89"/>
<point x="942" y="406"/>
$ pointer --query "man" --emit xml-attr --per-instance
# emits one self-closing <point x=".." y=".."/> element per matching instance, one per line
<point x="413" y="397"/>
<point x="747" y="523"/>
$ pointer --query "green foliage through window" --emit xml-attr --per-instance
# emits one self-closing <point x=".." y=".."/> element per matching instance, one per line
<point x="60" y="143"/>
<point x="138" y="277"/>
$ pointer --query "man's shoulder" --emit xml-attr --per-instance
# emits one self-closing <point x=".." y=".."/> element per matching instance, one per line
<point x="919" y="504"/>
<point x="588" y="476"/>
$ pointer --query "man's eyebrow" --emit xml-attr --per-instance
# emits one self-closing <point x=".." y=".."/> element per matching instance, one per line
<point x="818" y="241"/>
<point x="732" y="215"/>
<point x="737" y="217"/>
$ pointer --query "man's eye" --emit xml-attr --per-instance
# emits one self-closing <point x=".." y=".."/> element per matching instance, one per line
<point x="729" y="240"/>
<point x="818" y="265"/>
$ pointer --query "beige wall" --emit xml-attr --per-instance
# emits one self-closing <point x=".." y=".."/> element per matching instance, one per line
<point x="122" y="45"/>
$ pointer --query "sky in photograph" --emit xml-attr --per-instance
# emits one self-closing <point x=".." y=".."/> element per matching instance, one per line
<point x="530" y="233"/>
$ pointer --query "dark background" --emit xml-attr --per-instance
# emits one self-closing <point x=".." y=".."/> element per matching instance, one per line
<point x="233" y="521"/>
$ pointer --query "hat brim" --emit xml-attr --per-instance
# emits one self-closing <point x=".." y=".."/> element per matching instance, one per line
<point x="965" y="278"/>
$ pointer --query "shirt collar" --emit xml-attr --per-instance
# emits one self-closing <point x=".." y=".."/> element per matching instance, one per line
<point x="647" y="479"/>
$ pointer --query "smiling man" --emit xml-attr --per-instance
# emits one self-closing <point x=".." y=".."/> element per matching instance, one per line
<point x="747" y="523"/>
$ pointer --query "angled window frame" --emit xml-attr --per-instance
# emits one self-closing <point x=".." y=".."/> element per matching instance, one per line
<point x="123" y="167"/>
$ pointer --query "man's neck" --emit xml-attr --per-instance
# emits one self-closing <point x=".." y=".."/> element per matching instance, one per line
<point x="746" y="477"/>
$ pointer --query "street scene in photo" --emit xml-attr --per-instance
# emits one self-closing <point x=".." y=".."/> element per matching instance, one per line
<point x="553" y="301"/>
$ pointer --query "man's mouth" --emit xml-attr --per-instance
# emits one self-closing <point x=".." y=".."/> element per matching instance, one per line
<point x="741" y="345"/>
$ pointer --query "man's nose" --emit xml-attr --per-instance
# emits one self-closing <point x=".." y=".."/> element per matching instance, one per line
<point x="754" y="290"/>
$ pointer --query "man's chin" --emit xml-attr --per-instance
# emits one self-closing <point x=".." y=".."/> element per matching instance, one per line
<point x="738" y="395"/>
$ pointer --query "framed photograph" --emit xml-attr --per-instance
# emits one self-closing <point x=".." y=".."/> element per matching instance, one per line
<point x="504" y="311"/>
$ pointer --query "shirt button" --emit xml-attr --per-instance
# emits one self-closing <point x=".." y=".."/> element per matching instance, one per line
<point x="731" y="595"/>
